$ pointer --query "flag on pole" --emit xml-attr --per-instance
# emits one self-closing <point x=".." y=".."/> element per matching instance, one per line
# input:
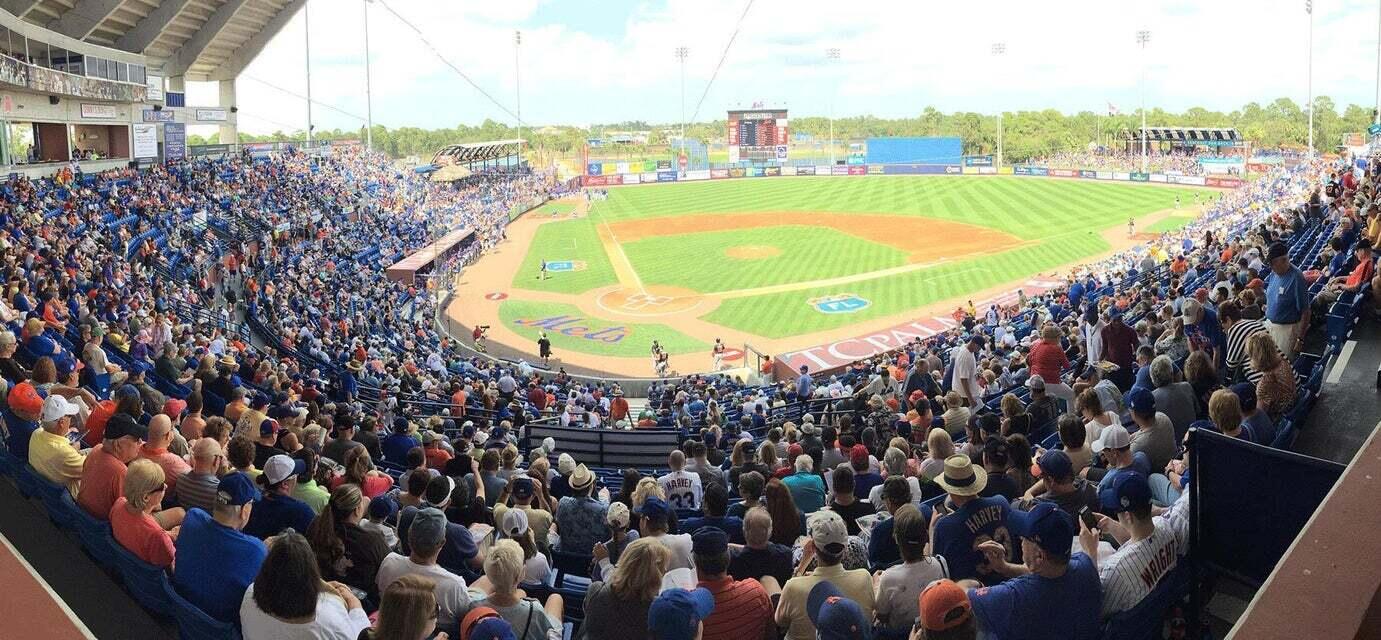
<point x="1112" y="109"/>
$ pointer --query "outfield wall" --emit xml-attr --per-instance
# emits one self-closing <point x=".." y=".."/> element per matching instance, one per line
<point x="597" y="177"/>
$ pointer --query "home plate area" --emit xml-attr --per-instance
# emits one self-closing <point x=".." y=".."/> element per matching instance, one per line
<point x="649" y="301"/>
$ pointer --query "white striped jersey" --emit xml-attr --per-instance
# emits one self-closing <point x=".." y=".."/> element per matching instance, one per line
<point x="1130" y="573"/>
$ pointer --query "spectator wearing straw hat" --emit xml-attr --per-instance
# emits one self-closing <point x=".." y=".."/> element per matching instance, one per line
<point x="1058" y="588"/>
<point x="580" y="516"/>
<point x="970" y="520"/>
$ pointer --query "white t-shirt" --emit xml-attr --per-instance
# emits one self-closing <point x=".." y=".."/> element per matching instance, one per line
<point x="680" y="546"/>
<point x="683" y="489"/>
<point x="965" y="368"/>
<point x="332" y="621"/>
<point x="450" y="588"/>
<point x="1093" y="428"/>
<point x="900" y="587"/>
<point x="1130" y="573"/>
<point x="536" y="569"/>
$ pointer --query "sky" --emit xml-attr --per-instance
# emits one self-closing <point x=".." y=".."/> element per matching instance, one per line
<point x="600" y="61"/>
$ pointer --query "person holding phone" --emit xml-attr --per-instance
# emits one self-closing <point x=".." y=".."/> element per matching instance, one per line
<point x="1150" y="546"/>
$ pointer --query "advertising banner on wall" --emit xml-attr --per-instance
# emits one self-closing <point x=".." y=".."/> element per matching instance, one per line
<point x="1103" y="175"/>
<point x="209" y="115"/>
<point x="631" y="178"/>
<point x="99" y="111"/>
<point x="621" y="167"/>
<point x="1159" y="177"/>
<point x="595" y="181"/>
<point x="145" y="140"/>
<point x="210" y="150"/>
<point x="857" y="170"/>
<point x="174" y="141"/>
<point x="149" y="115"/>
<point x="155" y="87"/>
<point x="838" y="170"/>
<point x="1063" y="173"/>
<point x="716" y="174"/>
<point x="698" y="174"/>
<point x="1120" y="175"/>
<point x="1085" y="173"/>
<point x="1004" y="171"/>
<point x="650" y="176"/>
<point x="1137" y="176"/>
<point x="823" y="170"/>
<point x="1021" y="170"/>
<point x="663" y="165"/>
<point x="614" y="180"/>
<point x="970" y="171"/>
<point x="594" y="169"/>
<point x="875" y="169"/>
<point x="978" y="161"/>
<point x="771" y="171"/>
<point x="1231" y="183"/>
<point x="753" y="172"/>
<point x="736" y="172"/>
<point x="788" y="170"/>
<point x="987" y="170"/>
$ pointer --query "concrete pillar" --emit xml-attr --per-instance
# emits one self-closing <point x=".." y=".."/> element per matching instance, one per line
<point x="230" y="131"/>
<point x="177" y="84"/>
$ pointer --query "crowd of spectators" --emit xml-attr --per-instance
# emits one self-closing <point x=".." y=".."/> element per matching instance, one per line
<point x="1183" y="162"/>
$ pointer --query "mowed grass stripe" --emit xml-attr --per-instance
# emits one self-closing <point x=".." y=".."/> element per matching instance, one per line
<point x="566" y="240"/>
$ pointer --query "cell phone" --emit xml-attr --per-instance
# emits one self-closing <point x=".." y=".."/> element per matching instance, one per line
<point x="1090" y="520"/>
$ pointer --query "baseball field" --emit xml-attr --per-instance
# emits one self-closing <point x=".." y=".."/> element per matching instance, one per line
<point x="768" y="260"/>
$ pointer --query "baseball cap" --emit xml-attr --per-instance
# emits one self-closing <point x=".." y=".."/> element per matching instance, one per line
<point x="259" y="401"/>
<point x="121" y="425"/>
<point x="1246" y="395"/>
<point x="1035" y="383"/>
<point x="280" y="467"/>
<point x="836" y="617"/>
<point x="382" y="507"/>
<point x="1046" y="525"/>
<point x="1113" y="437"/>
<point x="977" y="338"/>
<point x="676" y="613"/>
<point x="522" y="487"/>
<point x="492" y="629"/>
<point x="828" y="531"/>
<point x="469" y="625"/>
<point x="1054" y="464"/>
<point x="1125" y="491"/>
<point x="565" y="464"/>
<point x="24" y="397"/>
<point x="235" y="488"/>
<point x="514" y="523"/>
<point x="617" y="516"/>
<point x="428" y="436"/>
<point x="944" y="605"/>
<point x="709" y="541"/>
<point x="56" y="406"/>
<point x="268" y="427"/>
<point x="1142" y="400"/>
<point x="439" y="489"/>
<point x="428" y="527"/>
<point x="1276" y="250"/>
<point x="653" y="507"/>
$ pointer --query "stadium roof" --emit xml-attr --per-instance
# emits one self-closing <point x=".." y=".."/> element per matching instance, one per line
<point x="199" y="39"/>
<point x="477" y="151"/>
<point x="1187" y="135"/>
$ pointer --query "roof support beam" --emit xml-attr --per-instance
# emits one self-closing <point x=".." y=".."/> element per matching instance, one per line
<point x="19" y="7"/>
<point x="251" y="48"/>
<point x="83" y="18"/>
<point x="193" y="48"/>
<point x="151" y="26"/>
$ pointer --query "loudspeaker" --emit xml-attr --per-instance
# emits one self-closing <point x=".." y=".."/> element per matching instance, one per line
<point x="52" y="99"/>
<point x="234" y="109"/>
<point x="158" y="107"/>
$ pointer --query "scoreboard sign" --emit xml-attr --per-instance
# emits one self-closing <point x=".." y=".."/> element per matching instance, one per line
<point x="758" y="135"/>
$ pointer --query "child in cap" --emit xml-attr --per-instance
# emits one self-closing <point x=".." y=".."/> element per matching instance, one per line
<point x="677" y="614"/>
<point x="514" y="526"/>
<point x="617" y="518"/>
<point x="380" y="517"/>
<point x="945" y="612"/>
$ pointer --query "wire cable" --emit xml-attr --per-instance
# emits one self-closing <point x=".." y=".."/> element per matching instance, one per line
<point x="722" y="57"/>
<point x="302" y="97"/>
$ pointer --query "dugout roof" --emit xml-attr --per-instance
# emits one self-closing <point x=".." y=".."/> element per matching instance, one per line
<point x="1187" y="135"/>
<point x="477" y="152"/>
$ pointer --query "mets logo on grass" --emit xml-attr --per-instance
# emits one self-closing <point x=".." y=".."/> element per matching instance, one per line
<point x="839" y="303"/>
<point x="557" y="266"/>
<point x="577" y="327"/>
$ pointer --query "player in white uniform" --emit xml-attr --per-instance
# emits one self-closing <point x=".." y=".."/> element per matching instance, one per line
<point x="1151" y="546"/>
<point x="682" y="487"/>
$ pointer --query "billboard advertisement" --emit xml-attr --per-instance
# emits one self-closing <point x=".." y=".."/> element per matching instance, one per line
<point x="788" y="170"/>
<point x="174" y="141"/>
<point x="595" y="181"/>
<point x="145" y="140"/>
<point x="1230" y="183"/>
<point x="631" y="178"/>
<point x="970" y="171"/>
<point x="716" y="174"/>
<point x="978" y="161"/>
<point x="988" y="170"/>
<point x="875" y="169"/>
<point x="1063" y="173"/>
<point x="650" y="176"/>
<point x="621" y="167"/>
<point x="823" y="170"/>
<point x="1158" y="177"/>
<point x="736" y="172"/>
<point x="1004" y="171"/>
<point x="149" y="115"/>
<point x="857" y="170"/>
<point x="1137" y="176"/>
<point x="771" y="171"/>
<point x="613" y="180"/>
<point x="700" y="174"/>
<point x="1103" y="175"/>
<point x="209" y="115"/>
<point x="838" y="170"/>
<point x="648" y="166"/>
<point x="753" y="172"/>
<point x="1021" y="170"/>
<point x="1040" y="171"/>
<point x="1120" y="175"/>
<point x="805" y="171"/>
<point x="594" y="169"/>
<point x="1085" y="173"/>
<point x="663" y="165"/>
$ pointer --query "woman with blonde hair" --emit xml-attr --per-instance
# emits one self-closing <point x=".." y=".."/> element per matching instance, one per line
<point x="131" y="518"/>
<point x="1225" y="410"/>
<point x="618" y="608"/>
<point x="1275" y="391"/>
<point x="939" y="446"/>
<point x="531" y="620"/>
<point x="408" y="610"/>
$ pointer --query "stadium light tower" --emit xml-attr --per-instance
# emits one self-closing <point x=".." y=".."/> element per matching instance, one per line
<point x="999" y="48"/>
<point x="368" y="95"/>
<point x="681" y="53"/>
<point x="1376" y="109"/>
<point x="518" y="89"/>
<point x="307" y="42"/>
<point x="1143" y="38"/>
<point x="1309" y="9"/>
<point x="831" y="53"/>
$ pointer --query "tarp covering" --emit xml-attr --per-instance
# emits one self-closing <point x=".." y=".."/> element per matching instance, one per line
<point x="405" y="270"/>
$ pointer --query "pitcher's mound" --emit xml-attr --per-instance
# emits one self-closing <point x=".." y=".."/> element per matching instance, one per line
<point x="654" y="300"/>
<point x="752" y="252"/>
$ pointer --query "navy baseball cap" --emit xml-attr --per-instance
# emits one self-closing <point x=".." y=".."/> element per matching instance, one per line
<point x="977" y="338"/>
<point x="493" y="628"/>
<point x="1046" y="525"/>
<point x="676" y="613"/>
<point x="1126" y="490"/>
<point x="1054" y="464"/>
<point x="709" y="541"/>
<point x="236" y="489"/>
<point x="522" y="487"/>
<point x="653" y="507"/>
<point x="382" y="506"/>
<point x="1246" y="395"/>
<point x="836" y="617"/>
<point x="1142" y="400"/>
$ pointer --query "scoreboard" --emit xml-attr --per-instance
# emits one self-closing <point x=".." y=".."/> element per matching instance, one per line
<point x="758" y="135"/>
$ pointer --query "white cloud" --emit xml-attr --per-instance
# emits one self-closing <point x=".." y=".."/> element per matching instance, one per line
<point x="897" y="57"/>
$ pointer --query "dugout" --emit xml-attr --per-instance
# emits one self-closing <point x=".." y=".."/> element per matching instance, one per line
<point x="1165" y="139"/>
<point x="496" y="155"/>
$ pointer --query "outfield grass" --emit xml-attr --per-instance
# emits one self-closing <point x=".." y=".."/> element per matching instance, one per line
<point x="807" y="253"/>
<point x="1169" y="224"/>
<point x="553" y="208"/>
<point x="573" y="239"/>
<point x="565" y="324"/>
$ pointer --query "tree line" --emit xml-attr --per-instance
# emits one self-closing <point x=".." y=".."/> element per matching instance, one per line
<point x="1025" y="134"/>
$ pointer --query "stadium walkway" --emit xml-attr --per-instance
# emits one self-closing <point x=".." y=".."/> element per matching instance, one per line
<point x="52" y="590"/>
<point x="1345" y="416"/>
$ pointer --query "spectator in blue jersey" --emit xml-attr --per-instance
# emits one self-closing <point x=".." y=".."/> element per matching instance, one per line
<point x="278" y="510"/>
<point x="715" y="505"/>
<point x="1287" y="302"/>
<point x="1262" y="428"/>
<point x="965" y="520"/>
<point x="1052" y="594"/>
<point x="807" y="489"/>
<point x="216" y="562"/>
<point x="804" y="384"/>
<point x="1205" y="333"/>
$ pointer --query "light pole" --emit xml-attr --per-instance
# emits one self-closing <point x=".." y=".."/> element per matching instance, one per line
<point x="1143" y="37"/>
<point x="681" y="53"/>
<point x="518" y="89"/>
<point x="1309" y="9"/>
<point x="832" y="53"/>
<point x="999" y="49"/>
<point x="368" y="95"/>
<point x="307" y="42"/>
<point x="1376" y="109"/>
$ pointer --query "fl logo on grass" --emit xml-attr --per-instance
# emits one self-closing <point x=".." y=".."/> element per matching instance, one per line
<point x="839" y="303"/>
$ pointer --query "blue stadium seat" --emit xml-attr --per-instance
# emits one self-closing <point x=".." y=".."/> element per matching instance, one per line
<point x="1144" y="621"/>
<point x="57" y="500"/>
<point x="96" y="539"/>
<point x="147" y="584"/>
<point x="194" y="624"/>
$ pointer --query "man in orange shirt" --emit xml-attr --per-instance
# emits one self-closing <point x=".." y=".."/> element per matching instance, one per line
<point x="1351" y="282"/>
<point x="742" y="608"/>
<point x="618" y="407"/>
<point x="103" y="475"/>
